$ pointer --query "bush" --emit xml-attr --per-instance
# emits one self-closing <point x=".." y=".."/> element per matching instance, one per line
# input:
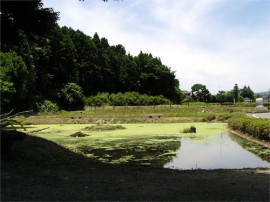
<point x="47" y="106"/>
<point x="126" y="99"/>
<point x="259" y="128"/>
<point x="209" y="117"/>
<point x="246" y="104"/>
<point x="101" y="99"/>
<point x="71" y="97"/>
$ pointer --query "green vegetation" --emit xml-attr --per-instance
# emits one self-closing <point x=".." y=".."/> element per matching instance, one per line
<point x="139" y="114"/>
<point x="258" y="128"/>
<point x="153" y="144"/>
<point x="71" y="97"/>
<point x="48" y="106"/>
<point x="104" y="127"/>
<point x="42" y="61"/>
<point x="125" y="99"/>
<point x="200" y="93"/>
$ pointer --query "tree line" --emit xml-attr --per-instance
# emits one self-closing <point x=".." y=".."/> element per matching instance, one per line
<point x="42" y="61"/>
<point x="199" y="92"/>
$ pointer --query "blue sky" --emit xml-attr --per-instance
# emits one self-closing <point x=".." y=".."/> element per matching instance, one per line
<point x="213" y="42"/>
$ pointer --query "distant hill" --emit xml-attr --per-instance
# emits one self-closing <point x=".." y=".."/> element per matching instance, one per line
<point x="263" y="94"/>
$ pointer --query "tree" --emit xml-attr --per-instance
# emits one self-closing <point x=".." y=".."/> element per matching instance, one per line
<point x="200" y="93"/>
<point x="223" y="96"/>
<point x="236" y="92"/>
<point x="229" y="96"/>
<point x="13" y="80"/>
<point x="156" y="78"/>
<point x="71" y="97"/>
<point x="29" y="16"/>
<point x="246" y="92"/>
<point x="51" y="56"/>
<point x="220" y="97"/>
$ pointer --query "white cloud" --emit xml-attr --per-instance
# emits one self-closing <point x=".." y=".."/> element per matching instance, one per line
<point x="186" y="35"/>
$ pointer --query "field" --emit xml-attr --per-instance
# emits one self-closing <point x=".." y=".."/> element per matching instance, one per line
<point x="141" y="114"/>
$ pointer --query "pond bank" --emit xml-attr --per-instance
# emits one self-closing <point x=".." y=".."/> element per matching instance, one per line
<point x="41" y="170"/>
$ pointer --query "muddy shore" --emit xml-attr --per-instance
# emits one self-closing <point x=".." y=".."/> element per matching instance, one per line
<point x="40" y="170"/>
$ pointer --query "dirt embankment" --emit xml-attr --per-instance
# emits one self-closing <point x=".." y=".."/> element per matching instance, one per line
<point x="40" y="170"/>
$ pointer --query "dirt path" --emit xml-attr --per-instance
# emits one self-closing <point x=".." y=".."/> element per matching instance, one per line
<point x="40" y="170"/>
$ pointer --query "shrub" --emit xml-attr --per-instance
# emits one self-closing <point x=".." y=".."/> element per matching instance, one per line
<point x="259" y="128"/>
<point x="209" y="117"/>
<point x="47" y="106"/>
<point x="125" y="99"/>
<point x="71" y="97"/>
<point x="101" y="99"/>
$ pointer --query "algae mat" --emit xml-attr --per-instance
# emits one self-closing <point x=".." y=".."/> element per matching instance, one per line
<point x="148" y="144"/>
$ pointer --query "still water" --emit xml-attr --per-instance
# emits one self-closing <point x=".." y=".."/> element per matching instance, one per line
<point x="223" y="150"/>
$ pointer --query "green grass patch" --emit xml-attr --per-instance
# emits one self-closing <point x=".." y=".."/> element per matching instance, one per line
<point x="139" y="114"/>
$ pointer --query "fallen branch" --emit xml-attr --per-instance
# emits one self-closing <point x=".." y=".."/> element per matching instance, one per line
<point x="2" y="116"/>
<point x="8" y="122"/>
<point x="20" y="113"/>
<point x="35" y="131"/>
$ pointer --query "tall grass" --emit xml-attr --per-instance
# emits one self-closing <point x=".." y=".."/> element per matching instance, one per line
<point x="166" y="110"/>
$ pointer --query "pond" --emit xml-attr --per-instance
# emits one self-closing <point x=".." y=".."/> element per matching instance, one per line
<point x="161" y="145"/>
<point x="224" y="150"/>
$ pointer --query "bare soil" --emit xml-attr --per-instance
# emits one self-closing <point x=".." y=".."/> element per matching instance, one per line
<point x="40" y="170"/>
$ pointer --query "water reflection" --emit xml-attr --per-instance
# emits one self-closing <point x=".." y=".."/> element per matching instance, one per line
<point x="154" y="151"/>
<point x="219" y="151"/>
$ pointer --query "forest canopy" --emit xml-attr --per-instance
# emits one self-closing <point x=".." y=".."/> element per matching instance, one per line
<point x="40" y="60"/>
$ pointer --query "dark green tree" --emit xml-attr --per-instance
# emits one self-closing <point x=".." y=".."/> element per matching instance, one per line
<point x="13" y="82"/>
<point x="236" y="92"/>
<point x="71" y="97"/>
<point x="246" y="92"/>
<point x="27" y="16"/>
<point x="200" y="93"/>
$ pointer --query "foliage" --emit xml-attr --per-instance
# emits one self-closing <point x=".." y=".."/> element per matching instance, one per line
<point x="247" y="92"/>
<point x="54" y="56"/>
<point x="246" y="104"/>
<point x="13" y="81"/>
<point x="101" y="99"/>
<point x="259" y="128"/>
<point x="209" y="117"/>
<point x="235" y="92"/>
<point x="71" y="97"/>
<point x="125" y="99"/>
<point x="223" y="97"/>
<point x="48" y="106"/>
<point x="200" y="93"/>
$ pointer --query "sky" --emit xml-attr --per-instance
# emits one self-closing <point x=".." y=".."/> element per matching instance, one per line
<point x="217" y="43"/>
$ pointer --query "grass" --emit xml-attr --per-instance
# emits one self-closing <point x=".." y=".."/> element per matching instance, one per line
<point x="140" y="114"/>
<point x="154" y="144"/>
